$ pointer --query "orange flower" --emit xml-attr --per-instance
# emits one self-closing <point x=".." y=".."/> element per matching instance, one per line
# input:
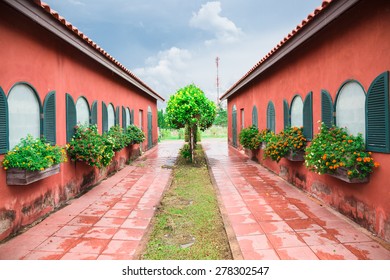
<point x="349" y="173"/>
<point x="350" y="141"/>
<point x="359" y="159"/>
<point x="334" y="161"/>
<point x="376" y="164"/>
<point x="324" y="157"/>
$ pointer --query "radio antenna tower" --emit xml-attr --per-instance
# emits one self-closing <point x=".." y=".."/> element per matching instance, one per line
<point x="217" y="63"/>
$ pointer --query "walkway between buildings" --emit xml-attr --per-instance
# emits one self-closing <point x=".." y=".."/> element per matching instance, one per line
<point x="265" y="217"/>
<point x="109" y="221"/>
<point x="270" y="219"/>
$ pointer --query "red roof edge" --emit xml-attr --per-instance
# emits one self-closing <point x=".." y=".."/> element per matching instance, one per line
<point x="45" y="7"/>
<point x="291" y="35"/>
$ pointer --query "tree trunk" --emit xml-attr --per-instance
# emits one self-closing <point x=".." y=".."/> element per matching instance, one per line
<point x="192" y="143"/>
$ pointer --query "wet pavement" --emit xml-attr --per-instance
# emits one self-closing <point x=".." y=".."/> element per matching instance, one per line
<point x="265" y="217"/>
<point x="108" y="222"/>
<point x="268" y="218"/>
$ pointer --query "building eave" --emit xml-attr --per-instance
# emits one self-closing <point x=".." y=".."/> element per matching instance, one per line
<point x="304" y="32"/>
<point x="41" y="13"/>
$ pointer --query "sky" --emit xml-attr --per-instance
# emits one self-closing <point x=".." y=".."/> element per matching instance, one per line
<point x="169" y="44"/>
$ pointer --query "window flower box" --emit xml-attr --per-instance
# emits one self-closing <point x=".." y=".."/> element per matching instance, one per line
<point x="17" y="176"/>
<point x="341" y="173"/>
<point x="295" y="155"/>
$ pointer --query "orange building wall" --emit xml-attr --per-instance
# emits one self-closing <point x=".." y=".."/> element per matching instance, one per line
<point x="31" y="54"/>
<point x="355" y="47"/>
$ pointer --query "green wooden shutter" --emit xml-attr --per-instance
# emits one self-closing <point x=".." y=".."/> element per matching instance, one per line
<point x="49" y="118"/>
<point x="326" y="108"/>
<point x="117" y="115"/>
<point x="4" y="129"/>
<point x="71" y="117"/>
<point x="308" y="116"/>
<point x="124" y="119"/>
<point x="234" y="126"/>
<point x="286" y="113"/>
<point x="377" y="115"/>
<point x="254" y="117"/>
<point x="94" y="113"/>
<point x="104" y="117"/>
<point x="271" y="116"/>
<point x="132" y="116"/>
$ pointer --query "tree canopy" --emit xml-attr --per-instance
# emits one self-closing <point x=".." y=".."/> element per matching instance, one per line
<point x="190" y="106"/>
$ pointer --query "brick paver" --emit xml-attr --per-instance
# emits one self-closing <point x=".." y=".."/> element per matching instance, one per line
<point x="265" y="217"/>
<point x="108" y="222"/>
<point x="268" y="218"/>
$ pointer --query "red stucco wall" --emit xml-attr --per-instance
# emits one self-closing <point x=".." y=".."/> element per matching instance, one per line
<point x="357" y="47"/>
<point x="31" y="54"/>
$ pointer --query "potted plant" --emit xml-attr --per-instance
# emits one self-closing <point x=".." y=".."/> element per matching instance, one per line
<point x="134" y="135"/>
<point x="248" y="140"/>
<point x="335" y="152"/>
<point x="89" y="146"/>
<point x="31" y="160"/>
<point x="289" y="143"/>
<point x="263" y="137"/>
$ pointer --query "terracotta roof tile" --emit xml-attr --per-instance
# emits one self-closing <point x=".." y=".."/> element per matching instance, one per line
<point x="89" y="41"/>
<point x="304" y="22"/>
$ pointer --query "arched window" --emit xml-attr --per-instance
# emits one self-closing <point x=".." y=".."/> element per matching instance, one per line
<point x="297" y="111"/>
<point x="350" y="108"/>
<point x="271" y="116"/>
<point x="128" y="118"/>
<point x="111" y="116"/>
<point x="24" y="109"/>
<point x="254" y="116"/>
<point x="82" y="111"/>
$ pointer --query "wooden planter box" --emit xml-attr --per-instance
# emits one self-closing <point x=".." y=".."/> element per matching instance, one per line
<point x="341" y="173"/>
<point x="16" y="176"/>
<point x="295" y="156"/>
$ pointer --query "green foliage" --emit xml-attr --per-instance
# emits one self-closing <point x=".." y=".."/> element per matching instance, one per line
<point x="264" y="135"/>
<point x="190" y="106"/>
<point x="333" y="148"/>
<point x="248" y="138"/>
<point x="89" y="146"/>
<point x="185" y="152"/>
<point x="161" y="119"/>
<point x="290" y="139"/>
<point x="134" y="134"/>
<point x="119" y="138"/>
<point x="221" y="118"/>
<point x="33" y="154"/>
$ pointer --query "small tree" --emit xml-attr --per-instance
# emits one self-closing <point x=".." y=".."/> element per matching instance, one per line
<point x="190" y="106"/>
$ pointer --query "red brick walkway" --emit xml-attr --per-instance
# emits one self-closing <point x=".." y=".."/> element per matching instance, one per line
<point x="271" y="219"/>
<point x="108" y="222"/>
<point x="266" y="217"/>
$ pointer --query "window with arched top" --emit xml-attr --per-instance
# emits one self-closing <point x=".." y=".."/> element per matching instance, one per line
<point x="254" y="116"/>
<point x="350" y="108"/>
<point x="271" y="116"/>
<point x="297" y="111"/>
<point x="110" y="116"/>
<point x="24" y="108"/>
<point x="128" y="117"/>
<point x="82" y="111"/>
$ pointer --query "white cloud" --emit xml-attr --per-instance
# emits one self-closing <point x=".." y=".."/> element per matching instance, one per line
<point x="167" y="70"/>
<point x="77" y="3"/>
<point x="208" y="18"/>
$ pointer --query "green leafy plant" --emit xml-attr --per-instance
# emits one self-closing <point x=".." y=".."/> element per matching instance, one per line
<point x="248" y="138"/>
<point x="89" y="146"/>
<point x="134" y="135"/>
<point x="279" y="145"/>
<point x="190" y="106"/>
<point x="334" y="148"/>
<point x="264" y="136"/>
<point x="34" y="154"/>
<point x="119" y="137"/>
<point x="185" y="152"/>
